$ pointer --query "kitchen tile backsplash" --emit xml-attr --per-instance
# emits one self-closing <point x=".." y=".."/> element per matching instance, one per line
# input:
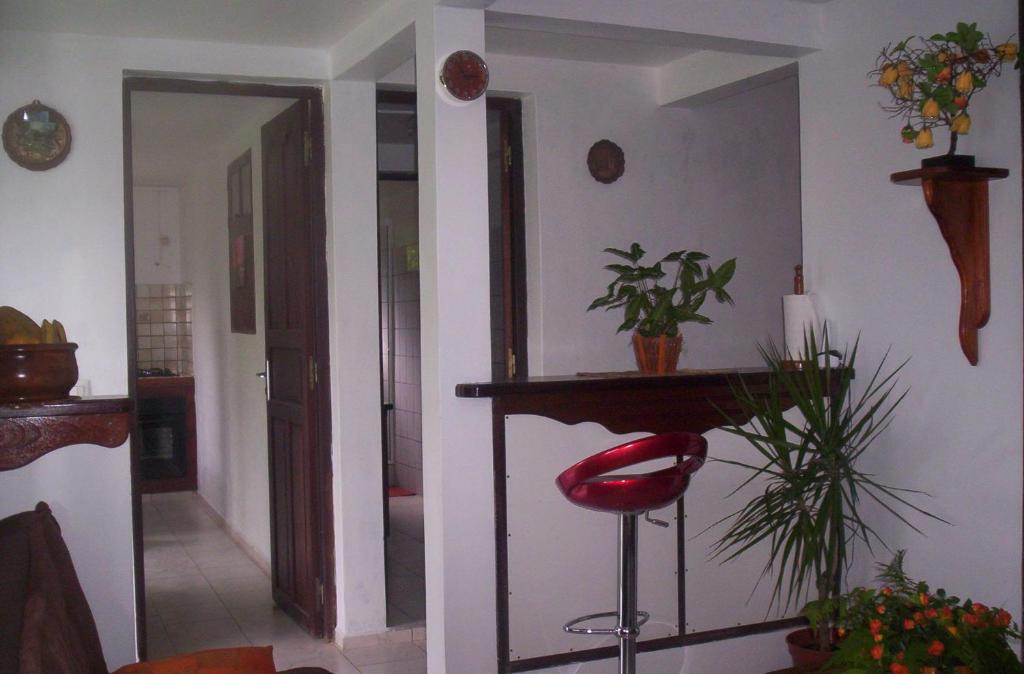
<point x="163" y="323"/>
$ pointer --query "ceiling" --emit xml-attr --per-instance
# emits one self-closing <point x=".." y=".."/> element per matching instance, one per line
<point x="288" y="23"/>
<point x="171" y="131"/>
<point x="556" y="45"/>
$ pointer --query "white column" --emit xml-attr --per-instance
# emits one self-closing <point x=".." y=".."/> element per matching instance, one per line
<point x="455" y="341"/>
<point x="355" y="348"/>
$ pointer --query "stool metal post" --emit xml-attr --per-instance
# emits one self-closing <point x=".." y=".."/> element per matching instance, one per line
<point x="628" y="628"/>
<point x="592" y="484"/>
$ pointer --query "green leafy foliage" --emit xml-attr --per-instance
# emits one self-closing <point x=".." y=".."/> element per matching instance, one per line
<point x="903" y="627"/>
<point x="809" y="511"/>
<point x="653" y="309"/>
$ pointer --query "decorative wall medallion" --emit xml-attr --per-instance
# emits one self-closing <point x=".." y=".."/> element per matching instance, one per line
<point x="465" y="75"/>
<point x="36" y="137"/>
<point x="606" y="161"/>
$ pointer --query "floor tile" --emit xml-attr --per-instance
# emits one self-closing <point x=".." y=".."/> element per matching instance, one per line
<point x="322" y="655"/>
<point x="404" y="667"/>
<point x="203" y="591"/>
<point x="372" y="655"/>
<point x="198" y="635"/>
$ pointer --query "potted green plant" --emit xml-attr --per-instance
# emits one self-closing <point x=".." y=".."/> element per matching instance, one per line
<point x="933" y="80"/>
<point x="902" y="627"/>
<point x="654" y="311"/>
<point x="808" y="509"/>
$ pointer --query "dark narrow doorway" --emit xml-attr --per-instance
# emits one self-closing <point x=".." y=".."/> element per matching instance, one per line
<point x="309" y="542"/>
<point x="398" y="240"/>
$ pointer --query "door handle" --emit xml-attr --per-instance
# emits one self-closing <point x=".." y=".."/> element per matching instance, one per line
<point x="265" y="376"/>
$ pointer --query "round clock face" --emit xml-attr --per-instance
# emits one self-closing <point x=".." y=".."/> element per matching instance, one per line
<point x="464" y="74"/>
<point x="36" y="137"/>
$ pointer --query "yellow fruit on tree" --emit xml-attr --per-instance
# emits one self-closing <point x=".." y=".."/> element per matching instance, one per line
<point x="964" y="82"/>
<point x="889" y="75"/>
<point x="961" y="124"/>
<point x="930" y="109"/>
<point x="924" y="139"/>
<point x="1007" y="51"/>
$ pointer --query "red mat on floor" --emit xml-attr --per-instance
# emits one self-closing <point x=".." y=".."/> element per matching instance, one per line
<point x="400" y="491"/>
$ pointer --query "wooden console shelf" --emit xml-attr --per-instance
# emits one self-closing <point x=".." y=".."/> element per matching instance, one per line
<point x="958" y="198"/>
<point x="30" y="430"/>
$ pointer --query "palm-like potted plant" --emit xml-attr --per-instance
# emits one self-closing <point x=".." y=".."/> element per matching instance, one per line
<point x="655" y="311"/>
<point x="809" y="511"/>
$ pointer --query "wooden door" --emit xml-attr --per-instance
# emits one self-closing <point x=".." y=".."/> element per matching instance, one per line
<point x="507" y="238"/>
<point x="295" y="507"/>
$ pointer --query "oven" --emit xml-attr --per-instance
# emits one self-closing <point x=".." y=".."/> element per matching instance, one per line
<point x="163" y="432"/>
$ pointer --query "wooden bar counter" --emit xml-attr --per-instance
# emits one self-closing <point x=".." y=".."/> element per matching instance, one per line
<point x="626" y="402"/>
<point x="622" y="402"/>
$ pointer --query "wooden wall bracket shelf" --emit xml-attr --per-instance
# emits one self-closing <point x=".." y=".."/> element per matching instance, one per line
<point x="31" y="430"/>
<point x="958" y="198"/>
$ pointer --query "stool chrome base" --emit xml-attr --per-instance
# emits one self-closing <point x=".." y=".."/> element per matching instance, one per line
<point x="571" y="628"/>
<point x="629" y="618"/>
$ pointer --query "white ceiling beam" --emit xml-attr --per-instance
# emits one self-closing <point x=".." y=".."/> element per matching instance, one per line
<point x="378" y="45"/>
<point x="765" y="27"/>
<point x="709" y="76"/>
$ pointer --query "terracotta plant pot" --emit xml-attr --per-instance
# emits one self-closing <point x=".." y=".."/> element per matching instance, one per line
<point x="657" y="355"/>
<point x="37" y="372"/>
<point x="803" y="648"/>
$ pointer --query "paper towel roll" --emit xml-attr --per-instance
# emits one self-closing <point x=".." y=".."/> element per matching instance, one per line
<point x="799" y="316"/>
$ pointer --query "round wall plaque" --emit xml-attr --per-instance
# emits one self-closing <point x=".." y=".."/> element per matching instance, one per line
<point x="465" y="76"/>
<point x="606" y="161"/>
<point x="36" y="137"/>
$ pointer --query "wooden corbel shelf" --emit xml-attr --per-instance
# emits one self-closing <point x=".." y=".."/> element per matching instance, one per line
<point x="31" y="430"/>
<point x="958" y="198"/>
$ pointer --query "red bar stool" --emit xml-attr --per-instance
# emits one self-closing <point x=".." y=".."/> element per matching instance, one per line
<point x="588" y="485"/>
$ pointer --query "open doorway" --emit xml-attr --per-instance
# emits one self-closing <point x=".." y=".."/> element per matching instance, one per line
<point x="398" y="240"/>
<point x="227" y="321"/>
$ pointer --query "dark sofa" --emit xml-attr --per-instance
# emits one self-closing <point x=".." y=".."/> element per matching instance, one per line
<point x="46" y="626"/>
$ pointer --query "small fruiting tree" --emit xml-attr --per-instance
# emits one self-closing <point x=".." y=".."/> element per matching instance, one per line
<point x="933" y="80"/>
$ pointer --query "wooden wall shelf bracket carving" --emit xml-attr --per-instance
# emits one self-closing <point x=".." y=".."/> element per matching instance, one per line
<point x="31" y="430"/>
<point x="958" y="198"/>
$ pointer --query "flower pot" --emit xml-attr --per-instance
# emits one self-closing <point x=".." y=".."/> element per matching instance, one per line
<point x="37" y="372"/>
<point x="803" y="648"/>
<point x="954" y="160"/>
<point x="657" y="355"/>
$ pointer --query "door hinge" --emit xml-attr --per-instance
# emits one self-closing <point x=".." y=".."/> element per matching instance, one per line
<point x="307" y="147"/>
<point x="510" y="363"/>
<point x="508" y="156"/>
<point x="319" y="592"/>
<point x="314" y="375"/>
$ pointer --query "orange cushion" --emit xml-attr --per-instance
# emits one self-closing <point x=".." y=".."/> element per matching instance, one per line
<point x="248" y="660"/>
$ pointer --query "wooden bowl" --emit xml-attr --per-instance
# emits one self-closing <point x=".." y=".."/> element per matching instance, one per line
<point x="37" y="372"/>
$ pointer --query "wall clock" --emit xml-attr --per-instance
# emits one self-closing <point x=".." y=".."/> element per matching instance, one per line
<point x="465" y="76"/>
<point x="36" y="137"/>
<point x="606" y="161"/>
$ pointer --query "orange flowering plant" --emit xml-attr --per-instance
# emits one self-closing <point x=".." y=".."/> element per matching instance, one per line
<point x="903" y="627"/>
<point x="933" y="81"/>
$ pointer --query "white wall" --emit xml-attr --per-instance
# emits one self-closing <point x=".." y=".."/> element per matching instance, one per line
<point x="875" y="256"/>
<point x="63" y="256"/>
<point x="157" y="224"/>
<point x="231" y="410"/>
<point x="723" y="178"/>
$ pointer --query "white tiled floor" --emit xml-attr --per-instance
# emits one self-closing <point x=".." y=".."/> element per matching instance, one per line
<point x="405" y="575"/>
<point x="203" y="591"/>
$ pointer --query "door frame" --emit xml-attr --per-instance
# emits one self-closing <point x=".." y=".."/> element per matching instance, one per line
<point x="318" y="218"/>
